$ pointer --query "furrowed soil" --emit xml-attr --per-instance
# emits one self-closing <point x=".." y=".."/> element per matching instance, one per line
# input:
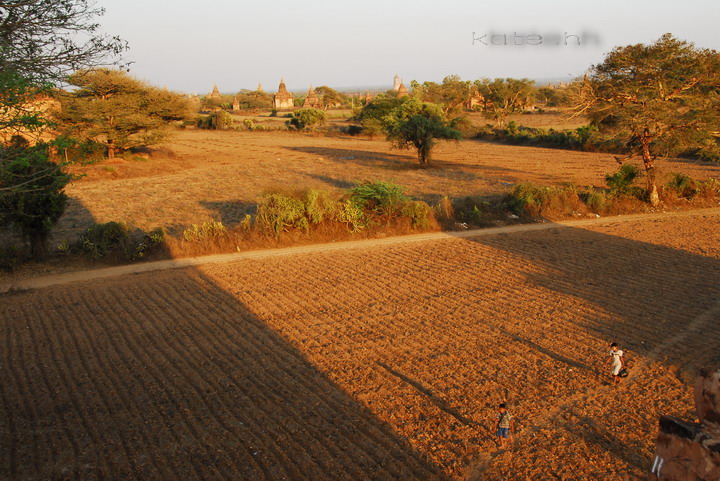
<point x="378" y="362"/>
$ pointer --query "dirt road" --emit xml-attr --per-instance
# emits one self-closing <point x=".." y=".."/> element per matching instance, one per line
<point x="52" y="280"/>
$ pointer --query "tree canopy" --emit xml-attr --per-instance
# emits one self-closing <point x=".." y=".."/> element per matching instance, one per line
<point x="659" y="99"/>
<point x="450" y="95"/>
<point x="44" y="40"/>
<point x="113" y="108"/>
<point x="419" y="124"/>
<point x="503" y="97"/>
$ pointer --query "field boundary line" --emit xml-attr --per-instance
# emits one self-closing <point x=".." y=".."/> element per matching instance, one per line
<point x="78" y="276"/>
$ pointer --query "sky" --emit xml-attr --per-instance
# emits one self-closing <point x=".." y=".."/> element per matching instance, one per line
<point x="188" y="46"/>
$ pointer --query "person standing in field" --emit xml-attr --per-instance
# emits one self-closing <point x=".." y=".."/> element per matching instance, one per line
<point x="616" y="362"/>
<point x="503" y="425"/>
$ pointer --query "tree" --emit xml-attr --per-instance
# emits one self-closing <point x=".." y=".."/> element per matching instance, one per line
<point x="505" y="96"/>
<point x="554" y="96"/>
<point x="330" y="97"/>
<point x="41" y="42"/>
<point x="419" y="124"/>
<point x="119" y="111"/>
<point x="254" y="99"/>
<point x="450" y="95"/>
<point x="662" y="98"/>
<point x="371" y="116"/>
<point x="32" y="199"/>
<point x="44" y="40"/>
<point x="307" y="118"/>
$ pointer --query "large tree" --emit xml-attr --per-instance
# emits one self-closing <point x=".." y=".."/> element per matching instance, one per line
<point x="418" y="124"/>
<point x="41" y="42"/>
<point x="660" y="99"/>
<point x="503" y="97"/>
<point x="119" y="111"/>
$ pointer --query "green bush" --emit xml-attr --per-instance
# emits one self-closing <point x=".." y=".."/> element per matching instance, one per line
<point x="149" y="242"/>
<point x="319" y="206"/>
<point x="218" y="120"/>
<point x="538" y="200"/>
<point x="206" y="231"/>
<point x="101" y="240"/>
<point x="350" y="214"/>
<point x="381" y="198"/>
<point x="306" y="118"/>
<point x="277" y="212"/>
<point x="420" y="213"/>
<point x="621" y="181"/>
<point x="595" y="200"/>
<point x="683" y="185"/>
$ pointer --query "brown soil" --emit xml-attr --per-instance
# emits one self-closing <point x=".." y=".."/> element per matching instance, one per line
<point x="381" y="362"/>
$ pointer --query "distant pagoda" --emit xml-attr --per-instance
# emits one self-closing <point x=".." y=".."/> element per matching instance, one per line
<point x="283" y="100"/>
<point x="396" y="83"/>
<point x="402" y="91"/>
<point x="215" y="94"/>
<point x="312" y="100"/>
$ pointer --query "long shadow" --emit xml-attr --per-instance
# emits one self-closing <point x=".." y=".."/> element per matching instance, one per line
<point x="406" y="161"/>
<point x="651" y="294"/>
<point x="168" y="376"/>
<point x="230" y="212"/>
<point x="430" y="395"/>
<point x="546" y="351"/>
<point x="591" y="432"/>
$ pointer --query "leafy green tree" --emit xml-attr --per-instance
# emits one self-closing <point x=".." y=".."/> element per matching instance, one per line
<point x="330" y="97"/>
<point x="505" y="96"/>
<point x="554" y="96"/>
<point x="119" y="111"/>
<point x="31" y="191"/>
<point x="450" y="95"/>
<point x="254" y="99"/>
<point x="661" y="98"/>
<point x="371" y="116"/>
<point x="418" y="124"/>
<point x="307" y="118"/>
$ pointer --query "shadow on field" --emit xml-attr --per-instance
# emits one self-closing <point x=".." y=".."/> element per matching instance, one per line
<point x="230" y="212"/>
<point x="166" y="375"/>
<point x="453" y="171"/>
<point x="590" y="431"/>
<point x="364" y="158"/>
<point x="653" y="293"/>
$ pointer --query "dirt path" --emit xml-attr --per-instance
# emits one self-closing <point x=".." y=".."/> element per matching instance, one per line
<point x="59" y="279"/>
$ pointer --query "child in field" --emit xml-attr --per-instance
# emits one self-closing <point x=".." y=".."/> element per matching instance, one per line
<point x="503" y="425"/>
<point x="616" y="362"/>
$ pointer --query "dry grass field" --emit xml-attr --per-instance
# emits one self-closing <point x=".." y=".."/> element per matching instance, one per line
<point x="203" y="175"/>
<point x="372" y="363"/>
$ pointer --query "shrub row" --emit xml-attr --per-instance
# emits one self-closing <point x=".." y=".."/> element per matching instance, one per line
<point x="620" y="196"/>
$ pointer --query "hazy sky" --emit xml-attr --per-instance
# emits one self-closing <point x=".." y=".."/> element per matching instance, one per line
<point x="188" y="45"/>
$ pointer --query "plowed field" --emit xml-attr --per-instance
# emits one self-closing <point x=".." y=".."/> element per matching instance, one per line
<point x="384" y="362"/>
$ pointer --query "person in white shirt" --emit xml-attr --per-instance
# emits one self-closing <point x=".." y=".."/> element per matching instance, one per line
<point x="616" y="362"/>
